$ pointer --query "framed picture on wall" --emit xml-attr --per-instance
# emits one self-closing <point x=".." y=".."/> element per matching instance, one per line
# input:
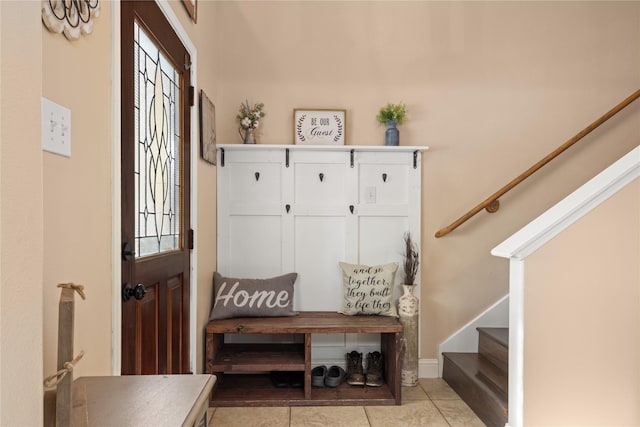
<point x="207" y="129"/>
<point x="319" y="126"/>
<point x="192" y="9"/>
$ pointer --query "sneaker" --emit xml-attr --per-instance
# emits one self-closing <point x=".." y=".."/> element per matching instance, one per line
<point x="374" y="369"/>
<point x="334" y="377"/>
<point x="318" y="375"/>
<point x="354" y="368"/>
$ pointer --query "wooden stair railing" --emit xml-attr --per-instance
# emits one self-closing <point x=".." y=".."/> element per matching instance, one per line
<point x="492" y="203"/>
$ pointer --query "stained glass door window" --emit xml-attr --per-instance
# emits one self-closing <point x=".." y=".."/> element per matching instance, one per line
<point x="157" y="153"/>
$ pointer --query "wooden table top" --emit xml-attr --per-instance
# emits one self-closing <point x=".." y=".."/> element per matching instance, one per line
<point x="146" y="400"/>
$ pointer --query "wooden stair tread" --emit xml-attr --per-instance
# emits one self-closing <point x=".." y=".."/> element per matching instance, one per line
<point x="500" y="335"/>
<point x="463" y="372"/>
<point x="476" y="366"/>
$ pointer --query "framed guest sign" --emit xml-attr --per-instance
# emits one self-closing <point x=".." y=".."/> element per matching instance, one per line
<point x="319" y="127"/>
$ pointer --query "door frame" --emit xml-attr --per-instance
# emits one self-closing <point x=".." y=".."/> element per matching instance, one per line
<point x="116" y="233"/>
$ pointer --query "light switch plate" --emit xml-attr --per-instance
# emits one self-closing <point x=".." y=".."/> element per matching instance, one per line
<point x="370" y="194"/>
<point x="56" y="128"/>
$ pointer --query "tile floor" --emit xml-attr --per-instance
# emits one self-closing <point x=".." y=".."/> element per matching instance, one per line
<point x="431" y="404"/>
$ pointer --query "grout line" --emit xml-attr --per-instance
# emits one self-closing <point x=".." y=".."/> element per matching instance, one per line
<point x="366" y="414"/>
<point x="441" y="413"/>
<point x="435" y="405"/>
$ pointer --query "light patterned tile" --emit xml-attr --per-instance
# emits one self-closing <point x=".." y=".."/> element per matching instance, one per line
<point x="413" y="393"/>
<point x="437" y="388"/>
<point x="419" y="413"/>
<point x="210" y="412"/>
<point x="328" y="416"/>
<point x="251" y="417"/>
<point x="458" y="414"/>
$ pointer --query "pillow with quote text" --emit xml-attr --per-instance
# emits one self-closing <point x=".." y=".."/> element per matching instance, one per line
<point x="368" y="289"/>
<point x="271" y="297"/>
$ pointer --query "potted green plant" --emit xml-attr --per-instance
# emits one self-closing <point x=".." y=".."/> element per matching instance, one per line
<point x="392" y="115"/>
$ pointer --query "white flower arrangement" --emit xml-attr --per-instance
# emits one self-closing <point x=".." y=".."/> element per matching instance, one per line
<point x="249" y="117"/>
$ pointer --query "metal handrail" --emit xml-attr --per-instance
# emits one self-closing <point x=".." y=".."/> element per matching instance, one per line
<point x="492" y="204"/>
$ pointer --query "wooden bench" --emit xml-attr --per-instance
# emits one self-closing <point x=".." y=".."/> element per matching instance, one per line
<point x="253" y="362"/>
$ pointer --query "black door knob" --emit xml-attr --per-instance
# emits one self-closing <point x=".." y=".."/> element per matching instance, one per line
<point x="138" y="292"/>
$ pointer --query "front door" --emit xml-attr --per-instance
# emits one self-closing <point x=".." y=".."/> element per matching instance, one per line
<point x="155" y="193"/>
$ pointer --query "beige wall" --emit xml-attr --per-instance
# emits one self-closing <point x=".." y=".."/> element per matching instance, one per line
<point x="491" y="87"/>
<point x="21" y="215"/>
<point x="582" y="311"/>
<point x="78" y="193"/>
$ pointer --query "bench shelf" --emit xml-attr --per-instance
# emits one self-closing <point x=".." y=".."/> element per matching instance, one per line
<point x="243" y="369"/>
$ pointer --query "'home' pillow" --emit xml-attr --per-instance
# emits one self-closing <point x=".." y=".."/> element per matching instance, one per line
<point x="252" y="297"/>
<point x="368" y="289"/>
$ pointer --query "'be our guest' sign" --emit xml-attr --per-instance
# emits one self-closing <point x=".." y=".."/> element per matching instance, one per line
<point x="322" y="127"/>
<point x="368" y="289"/>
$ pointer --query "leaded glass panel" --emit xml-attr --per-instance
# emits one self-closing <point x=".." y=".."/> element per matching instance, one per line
<point x="157" y="154"/>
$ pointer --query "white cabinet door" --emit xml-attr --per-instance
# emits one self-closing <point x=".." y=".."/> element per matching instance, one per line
<point x="321" y="183"/>
<point x="250" y="214"/>
<point x="388" y="207"/>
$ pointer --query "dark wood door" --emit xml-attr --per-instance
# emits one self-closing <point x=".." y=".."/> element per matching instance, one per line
<point x="155" y="193"/>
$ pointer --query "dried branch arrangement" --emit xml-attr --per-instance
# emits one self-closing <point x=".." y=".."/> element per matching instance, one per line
<point x="411" y="260"/>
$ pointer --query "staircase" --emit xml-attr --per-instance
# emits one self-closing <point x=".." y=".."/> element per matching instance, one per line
<point x="481" y="379"/>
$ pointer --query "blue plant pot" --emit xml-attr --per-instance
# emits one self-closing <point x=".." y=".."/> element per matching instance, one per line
<point x="392" y="134"/>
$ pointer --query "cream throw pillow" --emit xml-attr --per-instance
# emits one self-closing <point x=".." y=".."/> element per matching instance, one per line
<point x="368" y="289"/>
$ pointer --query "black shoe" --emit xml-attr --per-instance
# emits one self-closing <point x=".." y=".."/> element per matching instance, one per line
<point x="296" y="379"/>
<point x="374" y="369"/>
<point x="354" y="368"/>
<point x="279" y="379"/>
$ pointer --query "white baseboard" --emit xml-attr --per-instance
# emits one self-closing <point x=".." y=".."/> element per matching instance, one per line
<point x="428" y="368"/>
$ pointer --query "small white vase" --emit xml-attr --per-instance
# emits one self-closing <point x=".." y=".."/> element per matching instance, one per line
<point x="409" y="309"/>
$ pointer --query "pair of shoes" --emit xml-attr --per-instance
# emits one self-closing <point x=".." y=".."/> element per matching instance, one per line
<point x="283" y="379"/>
<point x="332" y="377"/>
<point x="355" y="375"/>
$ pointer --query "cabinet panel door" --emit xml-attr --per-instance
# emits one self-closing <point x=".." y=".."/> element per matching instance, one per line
<point x="384" y="183"/>
<point x="380" y="240"/>
<point x="254" y="249"/>
<point x="319" y="185"/>
<point x="319" y="246"/>
<point x="255" y="185"/>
